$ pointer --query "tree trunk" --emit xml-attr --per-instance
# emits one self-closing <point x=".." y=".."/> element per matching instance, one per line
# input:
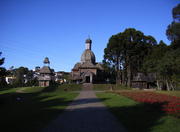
<point x="118" y="76"/>
<point x="158" y="85"/>
<point x="172" y="87"/>
<point x="118" y="81"/>
<point x="123" y="77"/>
<point x="167" y="85"/>
<point x="129" y="75"/>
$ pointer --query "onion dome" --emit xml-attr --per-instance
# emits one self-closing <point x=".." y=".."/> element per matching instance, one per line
<point x="88" y="56"/>
<point x="46" y="61"/>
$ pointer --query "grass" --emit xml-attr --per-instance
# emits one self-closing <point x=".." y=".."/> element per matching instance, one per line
<point x="30" y="89"/>
<point x="106" y="87"/>
<point x="7" y="90"/>
<point x="71" y="87"/>
<point x="33" y="108"/>
<point x="138" y="117"/>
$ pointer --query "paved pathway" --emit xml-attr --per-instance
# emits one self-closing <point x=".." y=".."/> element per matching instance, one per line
<point x="85" y="114"/>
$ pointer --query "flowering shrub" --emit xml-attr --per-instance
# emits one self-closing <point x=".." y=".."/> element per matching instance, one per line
<point x="170" y="104"/>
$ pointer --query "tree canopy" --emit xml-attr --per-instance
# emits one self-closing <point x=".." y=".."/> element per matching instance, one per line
<point x="173" y="30"/>
<point x="125" y="52"/>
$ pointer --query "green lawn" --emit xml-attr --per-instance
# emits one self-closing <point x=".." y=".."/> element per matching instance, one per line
<point x="32" y="108"/>
<point x="6" y="91"/>
<point x="106" y="87"/>
<point x="138" y="117"/>
<point x="71" y="87"/>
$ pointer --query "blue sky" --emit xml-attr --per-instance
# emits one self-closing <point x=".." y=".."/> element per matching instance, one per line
<point x="30" y="30"/>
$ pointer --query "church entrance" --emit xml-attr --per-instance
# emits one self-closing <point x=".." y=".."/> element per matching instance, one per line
<point x="87" y="79"/>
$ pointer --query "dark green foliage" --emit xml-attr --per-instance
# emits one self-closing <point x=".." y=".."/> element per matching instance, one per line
<point x="3" y="73"/>
<point x="22" y="77"/>
<point x="176" y="12"/>
<point x="154" y="58"/>
<point x="165" y="60"/>
<point x="20" y="74"/>
<point x="173" y="30"/>
<point x="2" y="59"/>
<point x="168" y="68"/>
<point x="125" y="53"/>
<point x="33" y="82"/>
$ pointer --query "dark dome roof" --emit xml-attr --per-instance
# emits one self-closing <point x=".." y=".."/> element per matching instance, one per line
<point x="88" y="56"/>
<point x="88" y="41"/>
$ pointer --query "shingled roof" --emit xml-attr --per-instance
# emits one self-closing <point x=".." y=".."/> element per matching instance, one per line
<point x="77" y="65"/>
<point x="45" y="69"/>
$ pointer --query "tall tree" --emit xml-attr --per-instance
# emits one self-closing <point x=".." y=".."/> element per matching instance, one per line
<point x="153" y="61"/>
<point x="2" y="73"/>
<point x="20" y="74"/>
<point x="169" y="69"/>
<point x="2" y="59"/>
<point x="171" y="61"/>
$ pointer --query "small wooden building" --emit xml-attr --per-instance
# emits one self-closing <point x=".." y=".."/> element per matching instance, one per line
<point x="143" y="81"/>
<point x="45" y="74"/>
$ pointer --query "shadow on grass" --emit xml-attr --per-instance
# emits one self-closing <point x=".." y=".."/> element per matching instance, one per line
<point x="29" y="112"/>
<point x="140" y="117"/>
<point x="50" y="89"/>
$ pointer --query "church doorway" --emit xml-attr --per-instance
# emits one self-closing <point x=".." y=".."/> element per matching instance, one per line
<point x="87" y="79"/>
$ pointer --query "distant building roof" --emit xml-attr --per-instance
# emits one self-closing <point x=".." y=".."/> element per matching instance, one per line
<point x="77" y="66"/>
<point x="87" y="65"/>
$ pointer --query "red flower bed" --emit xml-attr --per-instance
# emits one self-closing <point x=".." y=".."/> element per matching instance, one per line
<point x="170" y="104"/>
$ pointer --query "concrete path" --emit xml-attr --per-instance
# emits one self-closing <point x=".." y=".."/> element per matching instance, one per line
<point x="85" y="114"/>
